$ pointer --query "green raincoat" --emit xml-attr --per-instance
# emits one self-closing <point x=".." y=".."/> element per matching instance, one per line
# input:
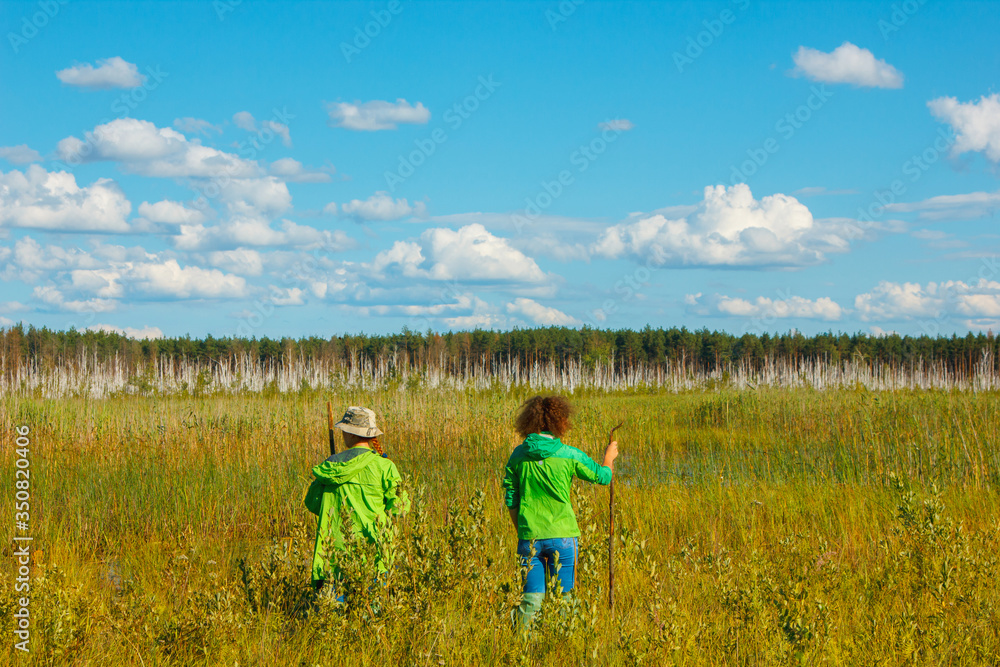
<point x="362" y="481"/>
<point x="537" y="481"/>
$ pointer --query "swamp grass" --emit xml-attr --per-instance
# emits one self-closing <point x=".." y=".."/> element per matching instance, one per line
<point x="773" y="526"/>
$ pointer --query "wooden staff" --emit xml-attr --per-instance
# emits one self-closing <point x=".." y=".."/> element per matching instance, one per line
<point x="611" y="532"/>
<point x="329" y="419"/>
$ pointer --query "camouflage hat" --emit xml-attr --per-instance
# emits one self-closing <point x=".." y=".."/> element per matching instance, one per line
<point x="360" y="422"/>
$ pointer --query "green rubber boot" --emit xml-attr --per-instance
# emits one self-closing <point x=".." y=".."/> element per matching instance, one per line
<point x="530" y="605"/>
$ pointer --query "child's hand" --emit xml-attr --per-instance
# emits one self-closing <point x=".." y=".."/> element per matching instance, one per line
<point x="611" y="453"/>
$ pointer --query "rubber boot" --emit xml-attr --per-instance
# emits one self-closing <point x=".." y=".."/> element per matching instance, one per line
<point x="530" y="605"/>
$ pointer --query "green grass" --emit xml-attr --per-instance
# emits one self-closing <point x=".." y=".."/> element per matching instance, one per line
<point x="767" y="527"/>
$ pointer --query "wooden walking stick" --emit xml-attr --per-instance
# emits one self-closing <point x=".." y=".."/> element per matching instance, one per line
<point x="611" y="532"/>
<point x="329" y="419"/>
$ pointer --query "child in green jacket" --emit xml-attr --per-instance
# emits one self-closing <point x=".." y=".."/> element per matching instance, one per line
<point x="537" y="482"/>
<point x="359" y="478"/>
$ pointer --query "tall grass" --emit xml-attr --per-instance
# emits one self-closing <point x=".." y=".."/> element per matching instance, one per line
<point x="765" y="526"/>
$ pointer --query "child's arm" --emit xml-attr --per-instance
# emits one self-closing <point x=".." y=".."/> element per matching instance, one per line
<point x="588" y="470"/>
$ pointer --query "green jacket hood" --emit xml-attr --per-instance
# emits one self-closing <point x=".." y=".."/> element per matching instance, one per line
<point x="538" y="446"/>
<point x="341" y="471"/>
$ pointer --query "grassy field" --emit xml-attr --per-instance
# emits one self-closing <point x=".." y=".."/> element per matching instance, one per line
<point x="754" y="527"/>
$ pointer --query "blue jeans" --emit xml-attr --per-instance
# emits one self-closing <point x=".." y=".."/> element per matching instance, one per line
<point x="542" y="565"/>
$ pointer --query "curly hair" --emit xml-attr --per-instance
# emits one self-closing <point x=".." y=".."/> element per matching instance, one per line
<point x="544" y="413"/>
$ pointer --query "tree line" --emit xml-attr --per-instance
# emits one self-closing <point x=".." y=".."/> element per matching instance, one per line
<point x="698" y="350"/>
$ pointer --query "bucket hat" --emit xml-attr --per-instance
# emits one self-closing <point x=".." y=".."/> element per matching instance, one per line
<point x="359" y="421"/>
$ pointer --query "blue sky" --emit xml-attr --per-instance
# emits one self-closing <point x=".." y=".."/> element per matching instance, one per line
<point x="264" y="168"/>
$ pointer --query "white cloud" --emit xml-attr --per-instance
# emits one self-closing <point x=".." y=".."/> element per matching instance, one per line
<point x="170" y="279"/>
<point x="540" y="314"/>
<point x="616" y="125"/>
<point x="20" y="154"/>
<point x="469" y="253"/>
<point x="196" y="126"/>
<point x="289" y="169"/>
<point x="110" y="73"/>
<point x="267" y="196"/>
<point x="954" y="207"/>
<point x="142" y="148"/>
<point x="6" y="322"/>
<point x="40" y="199"/>
<point x="242" y="261"/>
<point x="977" y="124"/>
<point x="146" y="333"/>
<point x="53" y="297"/>
<point x="376" y="115"/>
<point x="28" y="261"/>
<point x="729" y="228"/>
<point x="251" y="230"/>
<point x="245" y="121"/>
<point x="822" y="308"/>
<point x="290" y="296"/>
<point x="905" y="301"/>
<point x="170" y="213"/>
<point x="879" y="332"/>
<point x="380" y="206"/>
<point x="846" y="64"/>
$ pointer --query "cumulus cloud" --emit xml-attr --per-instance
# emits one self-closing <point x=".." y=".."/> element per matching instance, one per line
<point x="191" y="125"/>
<point x="539" y="314"/>
<point x="20" y="154"/>
<point x="241" y="261"/>
<point x="977" y="124"/>
<point x="289" y="169"/>
<point x="846" y="64"/>
<point x="729" y="228"/>
<point x="56" y="300"/>
<point x="170" y="213"/>
<point x="142" y="148"/>
<point x="376" y="115"/>
<point x="28" y="260"/>
<point x="110" y="73"/>
<point x="616" y="125"/>
<point x="146" y="333"/>
<point x="822" y="308"/>
<point x="905" y="301"/>
<point x="380" y="206"/>
<point x="469" y="253"/>
<point x="165" y="280"/>
<point x="40" y="199"/>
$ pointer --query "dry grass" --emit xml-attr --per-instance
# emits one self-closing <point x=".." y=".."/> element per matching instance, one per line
<point x="756" y="527"/>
